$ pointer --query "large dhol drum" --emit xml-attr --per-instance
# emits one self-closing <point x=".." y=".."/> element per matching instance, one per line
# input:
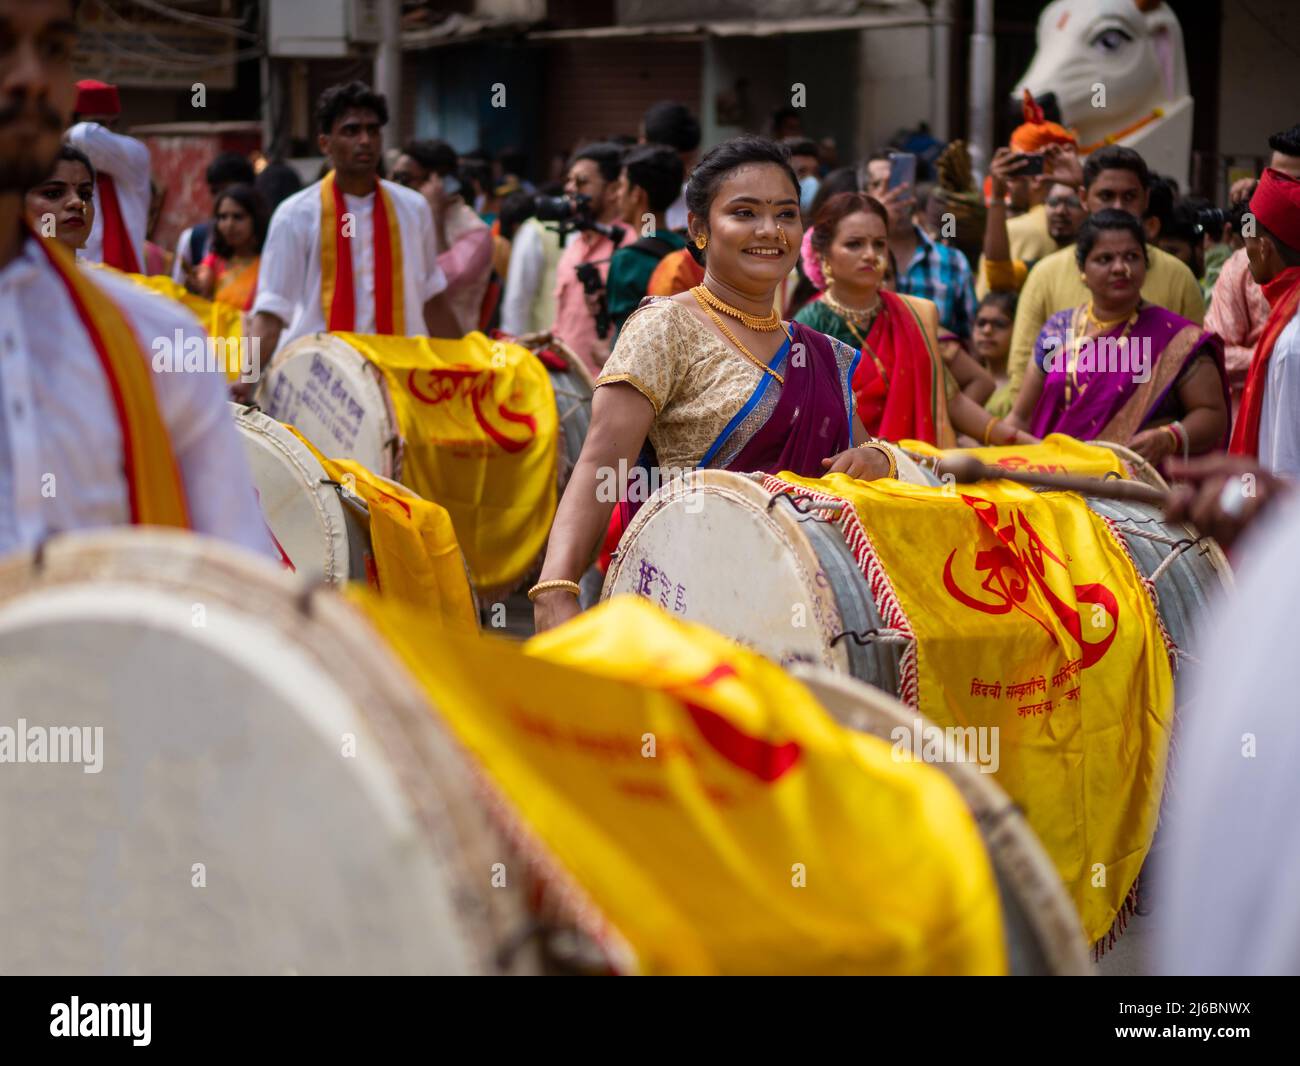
<point x="246" y="779"/>
<point x="338" y="399"/>
<point x="774" y="572"/>
<point x="1043" y="933"/>
<point x="320" y="526"/>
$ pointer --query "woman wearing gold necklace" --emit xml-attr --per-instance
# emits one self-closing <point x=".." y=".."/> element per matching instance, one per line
<point x="902" y="386"/>
<point x="713" y="377"/>
<point x="1122" y="370"/>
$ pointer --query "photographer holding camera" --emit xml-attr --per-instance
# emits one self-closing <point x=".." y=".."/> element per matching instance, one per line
<point x="592" y="188"/>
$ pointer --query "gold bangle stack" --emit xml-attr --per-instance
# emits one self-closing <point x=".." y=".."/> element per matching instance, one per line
<point x="543" y="586"/>
<point x="887" y="452"/>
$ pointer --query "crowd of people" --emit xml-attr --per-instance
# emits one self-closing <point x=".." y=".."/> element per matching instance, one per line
<point x="1070" y="294"/>
<point x="756" y="308"/>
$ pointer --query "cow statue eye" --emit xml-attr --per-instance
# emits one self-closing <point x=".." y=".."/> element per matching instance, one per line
<point x="1111" y="40"/>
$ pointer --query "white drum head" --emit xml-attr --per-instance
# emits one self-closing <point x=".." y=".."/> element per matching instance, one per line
<point x="713" y="548"/>
<point x="1042" y="926"/>
<point x="300" y="502"/>
<point x="272" y="794"/>
<point x="337" y="399"/>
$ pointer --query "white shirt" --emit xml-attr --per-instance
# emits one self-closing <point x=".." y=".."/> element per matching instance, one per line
<point x="289" y="275"/>
<point x="1227" y="898"/>
<point x="675" y="216"/>
<point x="523" y="279"/>
<point x="61" y="461"/>
<point x="126" y="161"/>
<point x="1279" y="418"/>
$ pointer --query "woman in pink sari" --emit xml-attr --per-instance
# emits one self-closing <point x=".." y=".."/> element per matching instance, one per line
<point x="1120" y="369"/>
<point x="713" y="377"/>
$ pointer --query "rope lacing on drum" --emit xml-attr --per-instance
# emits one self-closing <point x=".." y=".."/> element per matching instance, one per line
<point x="805" y="504"/>
<point x="863" y="637"/>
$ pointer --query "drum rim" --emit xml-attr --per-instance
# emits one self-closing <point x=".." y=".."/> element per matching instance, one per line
<point x="393" y="449"/>
<point x="1011" y="844"/>
<point x="437" y="779"/>
<point x="1138" y="468"/>
<point x="327" y="505"/>
<point x="745" y="491"/>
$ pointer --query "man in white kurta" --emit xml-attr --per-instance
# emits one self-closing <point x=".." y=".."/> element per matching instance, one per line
<point x="1279" y="421"/>
<point x="289" y="276"/>
<point x="1229" y="902"/>
<point x="61" y="442"/>
<point x="61" y="459"/>
<point x="288" y="304"/>
<point x="123" y="159"/>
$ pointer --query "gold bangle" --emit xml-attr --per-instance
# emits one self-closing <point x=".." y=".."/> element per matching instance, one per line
<point x="543" y="586"/>
<point x="887" y="452"/>
<point x="988" y="430"/>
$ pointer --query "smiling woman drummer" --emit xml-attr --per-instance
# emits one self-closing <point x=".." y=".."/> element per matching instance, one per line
<point x="713" y="377"/>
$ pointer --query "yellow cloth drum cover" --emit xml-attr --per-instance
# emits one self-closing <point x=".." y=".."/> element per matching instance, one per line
<point x="477" y="417"/>
<point x="713" y="816"/>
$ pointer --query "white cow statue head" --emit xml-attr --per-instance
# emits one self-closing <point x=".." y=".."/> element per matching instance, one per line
<point x="1118" y="72"/>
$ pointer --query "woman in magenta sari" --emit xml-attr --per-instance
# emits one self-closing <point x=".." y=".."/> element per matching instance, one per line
<point x="713" y="377"/>
<point x="1120" y="369"/>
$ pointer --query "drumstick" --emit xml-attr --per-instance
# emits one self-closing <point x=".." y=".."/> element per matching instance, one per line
<point x="966" y="468"/>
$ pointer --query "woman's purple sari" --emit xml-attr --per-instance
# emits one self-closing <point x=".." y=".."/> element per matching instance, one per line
<point x="1117" y="387"/>
<point x="812" y="418"/>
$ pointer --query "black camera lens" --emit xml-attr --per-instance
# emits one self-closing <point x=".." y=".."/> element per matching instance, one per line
<point x="553" y="208"/>
<point x="1211" y="219"/>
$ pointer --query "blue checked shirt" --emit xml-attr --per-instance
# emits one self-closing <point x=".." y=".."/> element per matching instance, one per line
<point x="940" y="273"/>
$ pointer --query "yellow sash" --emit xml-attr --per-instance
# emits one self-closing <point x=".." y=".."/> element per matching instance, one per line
<point x="481" y="430"/>
<point x="416" y="556"/>
<point x="1054" y="454"/>
<point x="695" y="809"/>
<point x="221" y="320"/>
<point x="1028" y="616"/>
<point x="338" y="291"/>
<point x="154" y="486"/>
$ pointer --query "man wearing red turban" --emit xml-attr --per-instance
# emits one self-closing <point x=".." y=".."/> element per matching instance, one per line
<point x="1268" y="424"/>
<point x="121" y="179"/>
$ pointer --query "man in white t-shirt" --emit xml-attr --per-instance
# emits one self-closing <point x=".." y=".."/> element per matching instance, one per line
<point x="305" y="264"/>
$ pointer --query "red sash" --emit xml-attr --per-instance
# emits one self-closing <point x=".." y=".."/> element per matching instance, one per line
<point x="118" y="250"/>
<point x="1283" y="295"/>
<point x="338" y="292"/>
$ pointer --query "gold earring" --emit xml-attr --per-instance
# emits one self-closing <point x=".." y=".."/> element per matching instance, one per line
<point x="826" y="271"/>
<point x="701" y="242"/>
<point x="780" y="230"/>
<point x="1083" y="277"/>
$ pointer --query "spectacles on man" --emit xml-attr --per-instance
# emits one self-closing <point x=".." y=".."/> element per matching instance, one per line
<point x="1072" y="202"/>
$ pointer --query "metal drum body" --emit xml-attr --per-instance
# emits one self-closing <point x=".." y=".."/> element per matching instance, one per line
<point x="273" y="795"/>
<point x="1042" y="927"/>
<point x="775" y="573"/>
<point x="321" y="526"/>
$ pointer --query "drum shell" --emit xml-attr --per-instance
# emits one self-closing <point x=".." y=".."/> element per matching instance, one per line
<point x="226" y="831"/>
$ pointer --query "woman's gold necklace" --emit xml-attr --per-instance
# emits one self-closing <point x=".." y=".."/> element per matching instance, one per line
<point x="722" y="328"/>
<point x="853" y="319"/>
<point x="768" y="323"/>
<point x="1072" y="357"/>
<point x="849" y="314"/>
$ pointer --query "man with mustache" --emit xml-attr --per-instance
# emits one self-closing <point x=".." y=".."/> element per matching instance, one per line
<point x="122" y="190"/>
<point x="92" y="432"/>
